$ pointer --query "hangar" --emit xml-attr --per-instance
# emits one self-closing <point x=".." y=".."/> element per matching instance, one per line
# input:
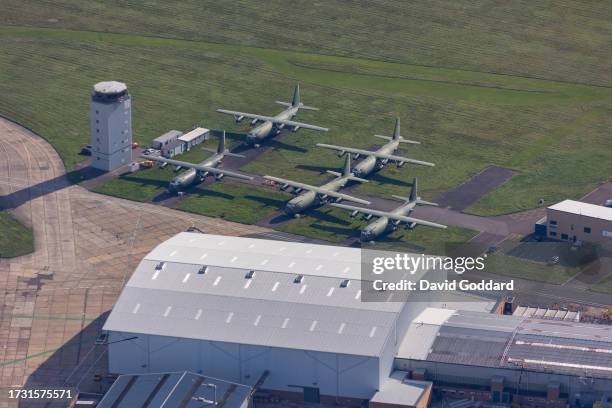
<point x="248" y="310"/>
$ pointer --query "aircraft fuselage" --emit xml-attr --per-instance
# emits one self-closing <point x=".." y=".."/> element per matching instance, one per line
<point x="267" y="128"/>
<point x="310" y="199"/>
<point x="192" y="176"/>
<point x="372" y="164"/>
<point x="384" y="225"/>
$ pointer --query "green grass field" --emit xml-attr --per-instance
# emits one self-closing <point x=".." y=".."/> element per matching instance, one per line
<point x="525" y="86"/>
<point x="15" y="239"/>
<point x="234" y="202"/>
<point x="335" y="225"/>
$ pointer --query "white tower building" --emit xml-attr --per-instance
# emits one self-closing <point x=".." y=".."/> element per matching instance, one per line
<point x="111" y="125"/>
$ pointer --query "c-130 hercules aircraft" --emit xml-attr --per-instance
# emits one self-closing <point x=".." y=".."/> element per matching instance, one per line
<point x="391" y="221"/>
<point x="272" y="125"/>
<point x="198" y="172"/>
<point x="376" y="160"/>
<point x="314" y="195"/>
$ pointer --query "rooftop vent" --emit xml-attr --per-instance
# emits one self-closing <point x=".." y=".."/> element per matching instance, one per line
<point x="249" y="274"/>
<point x="298" y="279"/>
<point x="203" y="270"/>
<point x="160" y="266"/>
<point x="345" y="283"/>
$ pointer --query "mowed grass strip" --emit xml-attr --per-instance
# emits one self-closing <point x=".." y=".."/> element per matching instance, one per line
<point x="566" y="41"/>
<point x="142" y="185"/>
<point x="15" y="238"/>
<point x="233" y="201"/>
<point x="551" y="132"/>
<point x="335" y="225"/>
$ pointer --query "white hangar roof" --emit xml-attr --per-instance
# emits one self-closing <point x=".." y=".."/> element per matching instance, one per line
<point x="254" y="291"/>
<point x="584" y="209"/>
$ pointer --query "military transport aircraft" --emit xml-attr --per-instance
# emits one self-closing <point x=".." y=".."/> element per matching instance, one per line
<point x="198" y="172"/>
<point x="391" y="221"/>
<point x="272" y="125"/>
<point x="315" y="196"/>
<point x="376" y="160"/>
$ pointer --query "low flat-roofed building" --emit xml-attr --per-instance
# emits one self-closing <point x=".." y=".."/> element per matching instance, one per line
<point x="177" y="389"/>
<point x="575" y="221"/>
<point x="165" y="139"/>
<point x="470" y="349"/>
<point x="194" y="137"/>
<point x="400" y="391"/>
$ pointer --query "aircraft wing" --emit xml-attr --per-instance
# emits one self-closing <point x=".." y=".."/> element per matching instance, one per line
<point x="208" y="169"/>
<point x="375" y="154"/>
<point x="389" y="215"/>
<point x="273" y="119"/>
<point x="318" y="190"/>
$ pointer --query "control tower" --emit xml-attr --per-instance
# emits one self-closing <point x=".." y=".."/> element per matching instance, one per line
<point x="111" y="125"/>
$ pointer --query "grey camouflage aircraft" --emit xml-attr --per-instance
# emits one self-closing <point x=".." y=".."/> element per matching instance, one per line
<point x="272" y="125"/>
<point x="376" y="160"/>
<point x="315" y="196"/>
<point x="390" y="221"/>
<point x="196" y="173"/>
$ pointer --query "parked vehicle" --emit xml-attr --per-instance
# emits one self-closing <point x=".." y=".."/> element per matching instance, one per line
<point x="86" y="151"/>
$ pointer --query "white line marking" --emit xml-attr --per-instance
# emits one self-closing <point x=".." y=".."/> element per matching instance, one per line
<point x="248" y="283"/>
<point x="198" y="315"/>
<point x="265" y="261"/>
<point x="172" y="253"/>
<point x="234" y="259"/>
<point x="155" y="275"/>
<point x="341" y="328"/>
<point x="292" y="264"/>
<point x="203" y="256"/>
<point x="303" y="289"/>
<point x="331" y="290"/>
<point x="313" y="325"/>
<point x="373" y="331"/>
<point x="229" y="317"/>
<point x="275" y="286"/>
<point x="167" y="312"/>
<point x="216" y="282"/>
<point x="346" y="269"/>
<point x="135" y="310"/>
<point x="285" y="323"/>
<point x="186" y="278"/>
<point x="358" y="294"/>
<point x="319" y="267"/>
<point x="256" y="322"/>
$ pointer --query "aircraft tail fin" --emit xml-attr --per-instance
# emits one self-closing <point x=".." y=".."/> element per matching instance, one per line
<point x="396" y="130"/>
<point x="295" y="101"/>
<point x="296" y="96"/>
<point x="347" y="166"/>
<point x="221" y="147"/>
<point x="413" y="192"/>
<point x="414" y="196"/>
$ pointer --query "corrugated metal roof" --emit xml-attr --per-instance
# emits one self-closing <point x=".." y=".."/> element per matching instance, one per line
<point x="193" y="134"/>
<point x="584" y="209"/>
<point x="475" y="338"/>
<point x="397" y="390"/>
<point x="171" y="135"/>
<point x="169" y="296"/>
<point x="173" y="390"/>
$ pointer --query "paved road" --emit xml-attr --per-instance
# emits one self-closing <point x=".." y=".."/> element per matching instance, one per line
<point x="86" y="246"/>
<point x="466" y="194"/>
